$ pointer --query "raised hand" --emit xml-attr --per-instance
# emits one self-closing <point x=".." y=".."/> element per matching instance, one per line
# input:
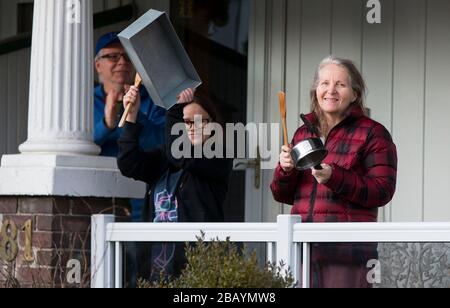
<point x="187" y="96"/>
<point x="286" y="161"/>
<point x="111" y="112"/>
<point x="134" y="98"/>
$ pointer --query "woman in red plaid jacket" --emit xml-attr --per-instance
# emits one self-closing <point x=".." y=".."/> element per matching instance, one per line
<point x="358" y="176"/>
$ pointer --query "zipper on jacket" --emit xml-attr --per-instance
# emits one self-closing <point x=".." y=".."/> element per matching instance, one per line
<point x="177" y="193"/>
<point x="332" y="131"/>
<point x="312" y="201"/>
<point x="336" y="127"/>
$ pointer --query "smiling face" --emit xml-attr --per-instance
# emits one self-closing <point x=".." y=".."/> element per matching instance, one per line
<point x="334" y="91"/>
<point x="114" y="73"/>
<point x="196" y="118"/>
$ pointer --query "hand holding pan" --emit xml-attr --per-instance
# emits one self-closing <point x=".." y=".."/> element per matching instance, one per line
<point x="310" y="152"/>
<point x="137" y="84"/>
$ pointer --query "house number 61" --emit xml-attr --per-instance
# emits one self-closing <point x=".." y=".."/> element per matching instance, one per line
<point x="8" y="244"/>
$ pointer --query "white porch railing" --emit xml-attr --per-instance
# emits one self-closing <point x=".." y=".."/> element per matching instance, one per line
<point x="285" y="240"/>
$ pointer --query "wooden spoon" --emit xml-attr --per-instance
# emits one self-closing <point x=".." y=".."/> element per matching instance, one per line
<point x="137" y="84"/>
<point x="283" y="112"/>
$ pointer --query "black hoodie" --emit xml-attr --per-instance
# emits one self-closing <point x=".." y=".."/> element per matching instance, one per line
<point x="204" y="184"/>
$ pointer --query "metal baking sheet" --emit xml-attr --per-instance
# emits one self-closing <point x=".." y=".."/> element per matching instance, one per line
<point x="159" y="57"/>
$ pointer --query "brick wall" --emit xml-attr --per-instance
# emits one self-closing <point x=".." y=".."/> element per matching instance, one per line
<point x="60" y="229"/>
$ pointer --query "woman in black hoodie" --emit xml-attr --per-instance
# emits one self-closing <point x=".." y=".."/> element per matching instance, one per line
<point x="182" y="189"/>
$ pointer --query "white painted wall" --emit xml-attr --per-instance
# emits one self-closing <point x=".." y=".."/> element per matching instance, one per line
<point x="436" y="114"/>
<point x="405" y="61"/>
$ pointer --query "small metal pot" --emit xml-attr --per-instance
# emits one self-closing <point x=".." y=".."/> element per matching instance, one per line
<point x="309" y="154"/>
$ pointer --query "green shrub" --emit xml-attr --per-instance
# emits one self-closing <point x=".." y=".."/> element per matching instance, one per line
<point x="221" y="265"/>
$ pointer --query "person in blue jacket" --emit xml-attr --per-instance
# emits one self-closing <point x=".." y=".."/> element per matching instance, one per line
<point x="116" y="72"/>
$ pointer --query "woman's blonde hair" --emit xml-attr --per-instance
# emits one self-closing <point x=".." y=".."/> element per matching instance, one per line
<point x="356" y="81"/>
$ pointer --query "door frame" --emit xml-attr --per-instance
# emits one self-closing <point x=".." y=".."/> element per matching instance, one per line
<point x="256" y="93"/>
<point x="266" y="77"/>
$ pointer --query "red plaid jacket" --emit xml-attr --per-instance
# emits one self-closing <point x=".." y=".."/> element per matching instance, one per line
<point x="364" y="161"/>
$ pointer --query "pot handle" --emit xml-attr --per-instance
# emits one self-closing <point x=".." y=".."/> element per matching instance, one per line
<point x="311" y="127"/>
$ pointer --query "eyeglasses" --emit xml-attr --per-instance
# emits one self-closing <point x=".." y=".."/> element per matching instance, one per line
<point x="115" y="57"/>
<point x="196" y="124"/>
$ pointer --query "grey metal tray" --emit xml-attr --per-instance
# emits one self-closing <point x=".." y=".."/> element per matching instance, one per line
<point x="159" y="57"/>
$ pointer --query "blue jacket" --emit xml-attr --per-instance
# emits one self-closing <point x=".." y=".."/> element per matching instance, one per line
<point x="151" y="117"/>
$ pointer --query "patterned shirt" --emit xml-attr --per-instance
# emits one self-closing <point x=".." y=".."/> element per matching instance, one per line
<point x="166" y="211"/>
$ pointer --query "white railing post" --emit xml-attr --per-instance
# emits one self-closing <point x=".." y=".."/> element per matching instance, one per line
<point x="118" y="266"/>
<point x="285" y="244"/>
<point x="306" y="270"/>
<point x="102" y="269"/>
<point x="297" y="266"/>
<point x="271" y="252"/>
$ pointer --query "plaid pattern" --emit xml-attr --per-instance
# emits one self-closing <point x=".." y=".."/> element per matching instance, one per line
<point x="364" y="161"/>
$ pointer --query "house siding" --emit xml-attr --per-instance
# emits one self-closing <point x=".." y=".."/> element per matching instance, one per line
<point x="405" y="63"/>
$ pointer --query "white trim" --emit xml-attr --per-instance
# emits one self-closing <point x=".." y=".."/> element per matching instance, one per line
<point x="372" y="232"/>
<point x="306" y="272"/>
<point x="118" y="265"/>
<point x="270" y="232"/>
<point x="256" y="97"/>
<point x="59" y="175"/>
<point x="187" y="232"/>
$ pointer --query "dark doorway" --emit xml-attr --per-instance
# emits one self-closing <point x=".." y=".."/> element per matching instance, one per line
<point x="215" y="35"/>
<point x="24" y="17"/>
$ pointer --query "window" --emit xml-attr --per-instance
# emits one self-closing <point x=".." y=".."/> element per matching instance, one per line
<point x="24" y="17"/>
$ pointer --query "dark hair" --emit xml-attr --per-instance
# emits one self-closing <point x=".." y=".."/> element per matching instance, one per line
<point x="356" y="81"/>
<point x="203" y="98"/>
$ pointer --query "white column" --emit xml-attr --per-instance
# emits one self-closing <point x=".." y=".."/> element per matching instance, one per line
<point x="61" y="80"/>
<point x="59" y="158"/>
